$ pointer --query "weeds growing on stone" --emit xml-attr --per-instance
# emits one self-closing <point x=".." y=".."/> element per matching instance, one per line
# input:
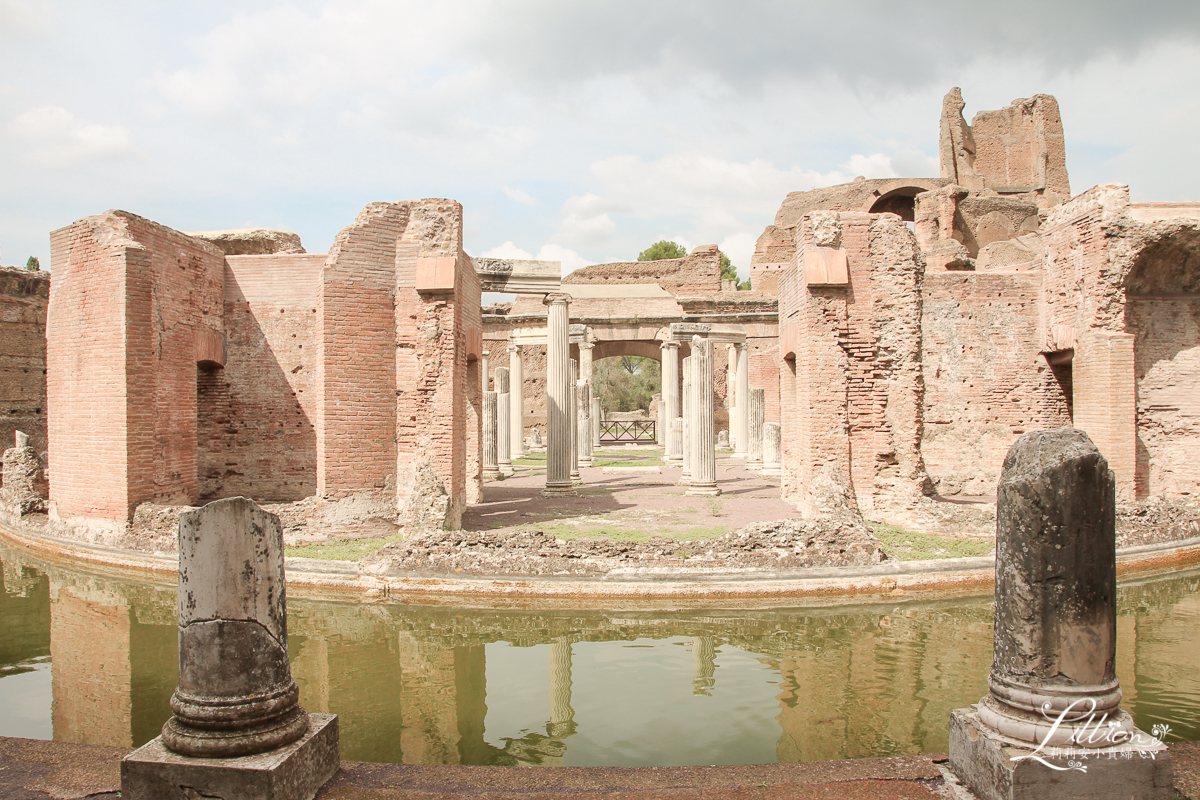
<point x="343" y="550"/>
<point x="906" y="545"/>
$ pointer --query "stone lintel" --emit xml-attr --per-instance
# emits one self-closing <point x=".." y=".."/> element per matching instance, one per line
<point x="518" y="276"/>
<point x="293" y="772"/>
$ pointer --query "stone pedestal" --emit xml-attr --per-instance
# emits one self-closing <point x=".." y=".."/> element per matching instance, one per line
<point x="490" y="436"/>
<point x="503" y="447"/>
<point x="704" y="441"/>
<point x="772" y="449"/>
<point x="516" y="402"/>
<point x="670" y="393"/>
<point x="742" y="398"/>
<point x="237" y="728"/>
<point x="293" y="772"/>
<point x="754" y="431"/>
<point x="1052" y="688"/>
<point x="558" y="397"/>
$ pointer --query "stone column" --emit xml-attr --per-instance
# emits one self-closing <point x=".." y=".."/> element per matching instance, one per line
<point x="740" y="430"/>
<point x="660" y="423"/>
<point x="584" y="437"/>
<point x="670" y="393"/>
<point x="503" y="446"/>
<point x="703" y="435"/>
<point x="574" y="421"/>
<point x="596" y="415"/>
<point x="689" y="412"/>
<point x="675" y="436"/>
<point x="731" y="391"/>
<point x="772" y="448"/>
<point x="585" y="356"/>
<point x="1052" y="683"/>
<point x="562" y="715"/>
<point x="516" y="402"/>
<point x="491" y="463"/>
<point x="486" y="376"/>
<point x="754" y="431"/>
<point x="236" y="696"/>
<point x="558" y="397"/>
<point x="704" y="664"/>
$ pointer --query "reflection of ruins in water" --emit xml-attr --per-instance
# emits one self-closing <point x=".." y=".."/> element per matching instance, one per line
<point x="410" y="683"/>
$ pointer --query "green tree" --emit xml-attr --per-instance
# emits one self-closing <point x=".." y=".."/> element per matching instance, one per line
<point x="729" y="273"/>
<point x="626" y="383"/>
<point x="32" y="264"/>
<point x="662" y="249"/>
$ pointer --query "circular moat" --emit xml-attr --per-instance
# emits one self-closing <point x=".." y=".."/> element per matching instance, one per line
<point x="93" y="659"/>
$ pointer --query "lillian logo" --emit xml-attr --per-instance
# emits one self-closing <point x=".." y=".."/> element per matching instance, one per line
<point x="1093" y="737"/>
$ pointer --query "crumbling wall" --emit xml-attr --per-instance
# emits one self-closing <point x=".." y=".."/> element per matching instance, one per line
<point x="986" y="379"/>
<point x="1018" y="149"/>
<point x="251" y="241"/>
<point x="851" y="307"/>
<point x="24" y="296"/>
<point x="134" y="307"/>
<point x="257" y="435"/>
<point x="696" y="274"/>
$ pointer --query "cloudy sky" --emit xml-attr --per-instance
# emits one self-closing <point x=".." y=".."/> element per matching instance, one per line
<point x="577" y="131"/>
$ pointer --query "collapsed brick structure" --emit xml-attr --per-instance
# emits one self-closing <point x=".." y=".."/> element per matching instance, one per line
<point x="24" y="295"/>
<point x="187" y="367"/>
<point x="912" y="357"/>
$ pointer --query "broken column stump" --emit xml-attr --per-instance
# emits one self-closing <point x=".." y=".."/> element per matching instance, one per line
<point x="238" y="730"/>
<point x="22" y="481"/>
<point x="1052" y="724"/>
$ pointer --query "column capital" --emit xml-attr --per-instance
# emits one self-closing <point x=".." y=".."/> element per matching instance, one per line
<point x="556" y="297"/>
<point x="512" y="347"/>
<point x="669" y="344"/>
<point x="586" y="345"/>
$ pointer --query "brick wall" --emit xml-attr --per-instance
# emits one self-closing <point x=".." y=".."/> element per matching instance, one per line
<point x="986" y="380"/>
<point x="129" y="303"/>
<point x="24" y="296"/>
<point x="257" y="436"/>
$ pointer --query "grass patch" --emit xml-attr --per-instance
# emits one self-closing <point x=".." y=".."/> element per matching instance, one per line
<point x="531" y="460"/>
<point x="905" y="545"/>
<point x="342" y="550"/>
<point x="635" y="461"/>
<point x="615" y="534"/>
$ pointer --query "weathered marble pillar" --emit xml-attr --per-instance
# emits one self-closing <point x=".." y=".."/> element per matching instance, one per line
<point x="491" y="434"/>
<point x="689" y="411"/>
<point x="558" y="396"/>
<point x="772" y="448"/>
<point x="731" y="391"/>
<point x="675" y="436"/>
<point x="1052" y="684"/>
<point x="574" y="420"/>
<point x="585" y="356"/>
<point x="754" y="430"/>
<point x="703" y="435"/>
<point x="740" y="430"/>
<point x="583" y="438"/>
<point x="562" y="715"/>
<point x="597" y="415"/>
<point x="236" y="696"/>
<point x="503" y="447"/>
<point x="660" y="423"/>
<point x="516" y="402"/>
<point x="486" y="375"/>
<point x="670" y="393"/>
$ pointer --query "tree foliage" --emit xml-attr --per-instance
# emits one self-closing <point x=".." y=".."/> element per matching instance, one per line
<point x="729" y="273"/>
<point x="626" y="383"/>
<point x="662" y="249"/>
<point x="33" y="265"/>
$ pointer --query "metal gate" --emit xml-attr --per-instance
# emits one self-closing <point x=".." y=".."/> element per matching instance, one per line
<point x="627" y="431"/>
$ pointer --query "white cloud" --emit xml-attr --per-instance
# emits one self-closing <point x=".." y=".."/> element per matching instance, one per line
<point x="507" y="250"/>
<point x="571" y="260"/>
<point x="518" y="196"/>
<point x="55" y="136"/>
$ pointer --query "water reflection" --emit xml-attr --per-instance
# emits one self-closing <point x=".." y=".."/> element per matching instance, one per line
<point x="452" y="686"/>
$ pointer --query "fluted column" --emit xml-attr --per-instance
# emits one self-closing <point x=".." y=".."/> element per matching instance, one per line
<point x="731" y="390"/>
<point x="772" y="448"/>
<point x="574" y="420"/>
<point x="558" y="396"/>
<point x="743" y="401"/>
<point x="503" y="448"/>
<point x="516" y="402"/>
<point x="689" y="410"/>
<point x="675" y="434"/>
<point x="704" y="664"/>
<point x="754" y="435"/>
<point x="585" y="356"/>
<point x="485" y="375"/>
<point x="670" y="393"/>
<point x="562" y="715"/>
<point x="583" y="439"/>
<point x="596" y="414"/>
<point x="491" y="466"/>
<point x="703" y="434"/>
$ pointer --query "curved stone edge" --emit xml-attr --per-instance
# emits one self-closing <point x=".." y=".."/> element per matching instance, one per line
<point x="635" y="588"/>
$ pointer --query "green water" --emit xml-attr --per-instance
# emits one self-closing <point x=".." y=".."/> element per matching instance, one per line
<point x="91" y="659"/>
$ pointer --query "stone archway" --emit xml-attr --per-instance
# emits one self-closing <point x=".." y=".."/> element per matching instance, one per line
<point x="1162" y="311"/>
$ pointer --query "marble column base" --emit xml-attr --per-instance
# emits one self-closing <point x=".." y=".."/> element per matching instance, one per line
<point x="293" y="772"/>
<point x="983" y="760"/>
